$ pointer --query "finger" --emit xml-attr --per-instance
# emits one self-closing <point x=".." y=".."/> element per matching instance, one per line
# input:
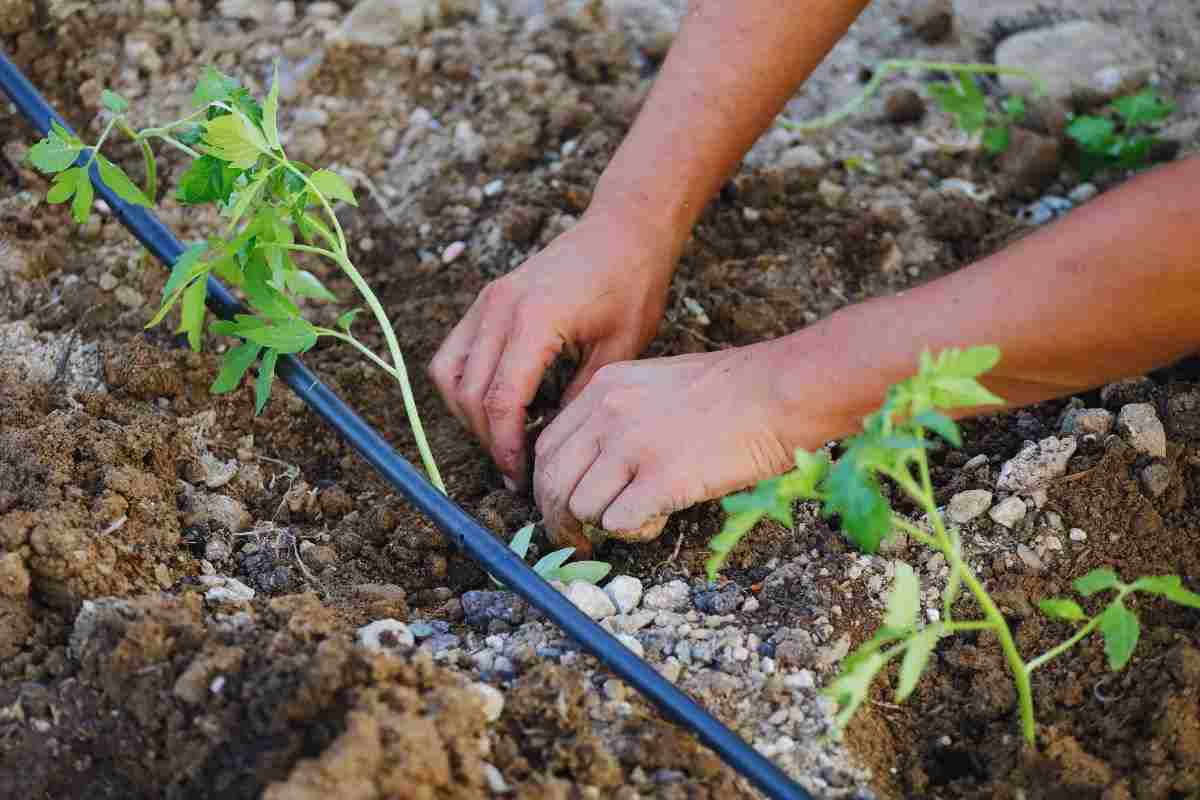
<point x="554" y="482"/>
<point x="446" y="367"/>
<point x="640" y="511"/>
<point x="486" y="350"/>
<point x="514" y="385"/>
<point x="603" y="482"/>
<point x="605" y="353"/>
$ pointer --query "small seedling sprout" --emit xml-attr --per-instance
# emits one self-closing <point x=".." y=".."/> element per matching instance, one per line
<point x="894" y="446"/>
<point x="1122" y="140"/>
<point x="273" y="208"/>
<point x="553" y="566"/>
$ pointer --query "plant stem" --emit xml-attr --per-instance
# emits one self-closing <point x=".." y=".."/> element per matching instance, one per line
<point x="148" y="162"/>
<point x="971" y="625"/>
<point x="902" y="64"/>
<point x="100" y="143"/>
<point x="362" y="348"/>
<point x="1079" y="636"/>
<point x="178" y="145"/>
<point x="303" y="248"/>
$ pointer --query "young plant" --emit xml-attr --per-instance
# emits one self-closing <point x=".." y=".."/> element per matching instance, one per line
<point x="554" y="566"/>
<point x="1122" y="139"/>
<point x="894" y="445"/>
<point x="273" y="207"/>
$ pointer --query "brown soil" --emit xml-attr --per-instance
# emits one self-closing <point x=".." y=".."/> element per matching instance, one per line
<point x="111" y="502"/>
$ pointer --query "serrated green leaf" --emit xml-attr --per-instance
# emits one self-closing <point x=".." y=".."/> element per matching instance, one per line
<point x="1094" y="134"/>
<point x="969" y="363"/>
<point x="1133" y="152"/>
<point x="284" y="336"/>
<point x="115" y="178"/>
<point x="1170" y="587"/>
<point x="234" y="139"/>
<point x="56" y="152"/>
<point x="941" y="425"/>
<point x="802" y="482"/>
<point x="961" y="393"/>
<point x="191" y="319"/>
<point x="332" y="186"/>
<point x="64" y="185"/>
<point x="346" y="320"/>
<point x="207" y="180"/>
<point x="916" y="656"/>
<point x="305" y="284"/>
<point x="764" y="498"/>
<point x="270" y="109"/>
<point x="233" y="366"/>
<point x="263" y="297"/>
<point x="552" y="561"/>
<point x="854" y="496"/>
<point x="1097" y="581"/>
<point x="521" y="541"/>
<point x="81" y="204"/>
<point x="587" y="571"/>
<point x="995" y="139"/>
<point x="113" y="101"/>
<point x="237" y="326"/>
<point x="851" y="688"/>
<point x="1121" y="631"/>
<point x="245" y="197"/>
<point x="1142" y="108"/>
<point x="213" y="87"/>
<point x="265" y="380"/>
<point x="904" y="601"/>
<point x="1062" y="608"/>
<point x="184" y="269"/>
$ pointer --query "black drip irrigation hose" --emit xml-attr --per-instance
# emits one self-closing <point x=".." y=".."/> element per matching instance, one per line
<point x="462" y="529"/>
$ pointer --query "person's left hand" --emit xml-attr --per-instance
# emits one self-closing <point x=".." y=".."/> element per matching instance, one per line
<point x="646" y="438"/>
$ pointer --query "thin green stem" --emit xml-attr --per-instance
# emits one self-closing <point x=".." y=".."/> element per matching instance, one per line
<point x="178" y="145"/>
<point x="1078" y="637"/>
<point x="362" y="348"/>
<point x="903" y="64"/>
<point x="148" y="161"/>
<point x="159" y="130"/>
<point x="913" y="531"/>
<point x="303" y="248"/>
<point x="970" y="625"/>
<point x="100" y="143"/>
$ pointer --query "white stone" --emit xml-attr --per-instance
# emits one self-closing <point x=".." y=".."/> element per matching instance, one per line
<point x="1139" y="425"/>
<point x="626" y="593"/>
<point x="493" y="700"/>
<point x="226" y="591"/>
<point x="632" y="643"/>
<point x="966" y="506"/>
<point x="751" y="605"/>
<point x="1008" y="512"/>
<point x="453" y="251"/>
<point x="385" y="636"/>
<point x="1037" y="464"/>
<point x="386" y="23"/>
<point x="493" y="188"/>
<point x="1078" y="535"/>
<point x="671" y="596"/>
<point x="591" y="600"/>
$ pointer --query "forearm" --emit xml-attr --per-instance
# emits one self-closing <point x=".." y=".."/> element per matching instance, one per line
<point x="731" y="70"/>
<point x="1112" y="290"/>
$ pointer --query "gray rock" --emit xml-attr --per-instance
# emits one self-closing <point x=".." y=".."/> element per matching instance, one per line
<point x="933" y="20"/>
<point x="1155" y="478"/>
<point x="651" y="25"/>
<point x="625" y="592"/>
<point x="803" y="164"/>
<point x="386" y="23"/>
<point x="591" y="600"/>
<point x="254" y="10"/>
<point x="1080" y="61"/>
<point x="224" y="590"/>
<point x="721" y="602"/>
<point x="632" y="643"/>
<point x="1029" y="558"/>
<point x="1082" y="193"/>
<point x="1044" y="210"/>
<point x="1036" y="464"/>
<point x="385" y="636"/>
<point x="1083" y="421"/>
<point x="1077" y="535"/>
<point x="1138" y="424"/>
<point x="481" y="607"/>
<point x="1008" y="512"/>
<point x="671" y="596"/>
<point x="49" y="357"/>
<point x="220" y="511"/>
<point x="966" y="506"/>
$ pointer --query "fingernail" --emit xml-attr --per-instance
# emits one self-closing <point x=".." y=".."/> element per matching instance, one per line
<point x="510" y="484"/>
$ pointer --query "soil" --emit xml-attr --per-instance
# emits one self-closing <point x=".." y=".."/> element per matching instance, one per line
<point x="125" y="487"/>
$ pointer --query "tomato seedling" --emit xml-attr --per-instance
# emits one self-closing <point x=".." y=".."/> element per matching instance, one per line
<point x="554" y="566"/>
<point x="1123" y="139"/>
<point x="273" y="206"/>
<point x="894" y="445"/>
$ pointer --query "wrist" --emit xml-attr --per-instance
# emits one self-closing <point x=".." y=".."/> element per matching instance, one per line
<point x="648" y="216"/>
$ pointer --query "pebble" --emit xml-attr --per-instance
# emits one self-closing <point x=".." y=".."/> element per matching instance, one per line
<point x="966" y="506"/>
<point x="495" y="780"/>
<point x="130" y="297"/>
<point x="1048" y="208"/>
<point x="1077" y="535"/>
<point x="1037" y="464"/>
<point x="493" y="188"/>
<point x="1029" y="558"/>
<point x="217" y="550"/>
<point x="1084" y="421"/>
<point x="1082" y="193"/>
<point x="219" y="510"/>
<point x="591" y="600"/>
<point x="831" y="193"/>
<point x="803" y="164"/>
<point x="903" y="106"/>
<point x="385" y="23"/>
<point x="632" y="643"/>
<point x="225" y="590"/>
<point x="723" y="601"/>
<point x="493" y="700"/>
<point x="108" y="282"/>
<point x="1155" y="478"/>
<point x="1138" y="424"/>
<point x="625" y="592"/>
<point x="385" y="636"/>
<point x="751" y="605"/>
<point x="933" y="20"/>
<point x="671" y="596"/>
<point x="453" y="251"/>
<point x="1008" y="512"/>
<point x="976" y="462"/>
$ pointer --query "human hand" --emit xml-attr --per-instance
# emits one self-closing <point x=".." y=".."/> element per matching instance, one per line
<point x="647" y="438"/>
<point x="598" y="291"/>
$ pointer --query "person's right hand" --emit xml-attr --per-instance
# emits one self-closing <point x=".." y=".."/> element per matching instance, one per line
<point x="598" y="291"/>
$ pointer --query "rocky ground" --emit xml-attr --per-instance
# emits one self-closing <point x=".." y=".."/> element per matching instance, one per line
<point x="195" y="602"/>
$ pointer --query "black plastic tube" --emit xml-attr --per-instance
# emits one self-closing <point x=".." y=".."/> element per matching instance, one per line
<point x="462" y="529"/>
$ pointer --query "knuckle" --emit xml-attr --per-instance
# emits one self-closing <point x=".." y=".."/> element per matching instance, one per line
<point x="500" y="401"/>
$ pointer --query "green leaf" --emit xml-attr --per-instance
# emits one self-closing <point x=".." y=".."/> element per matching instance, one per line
<point x="1014" y="107"/>
<point x="995" y="139"/>
<point x="1170" y="587"/>
<point x="192" y="312"/>
<point x="190" y="134"/>
<point x="115" y="178"/>
<point x="955" y="363"/>
<point x="284" y="336"/>
<point x="552" y="561"/>
<point x="56" y="152"/>
<point x="263" y="297"/>
<point x="904" y="602"/>
<point x="1141" y="108"/>
<point x="233" y="366"/>
<point x="270" y="109"/>
<point x="65" y="184"/>
<point x="1094" y="134"/>
<point x="520" y="542"/>
<point x="234" y="139"/>
<point x="855" y="497"/>
<point x="765" y="498"/>
<point x="961" y="393"/>
<point x="1121" y="631"/>
<point x="1133" y="152"/>
<point x="588" y="571"/>
<point x="346" y="320"/>
<point x="851" y="688"/>
<point x="940" y="424"/>
<point x="266" y="377"/>
<point x="114" y="102"/>
<point x="237" y="326"/>
<point x="1097" y="581"/>
<point x="213" y="87"/>
<point x="305" y="284"/>
<point x="185" y="268"/>
<point x="802" y="482"/>
<point x="245" y="197"/>
<point x="1062" y="608"/>
<point x="310" y="227"/>
<point x="81" y="205"/>
<point x="916" y="656"/>
<point x="208" y="180"/>
<point x="734" y="528"/>
<point x="333" y="186"/>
